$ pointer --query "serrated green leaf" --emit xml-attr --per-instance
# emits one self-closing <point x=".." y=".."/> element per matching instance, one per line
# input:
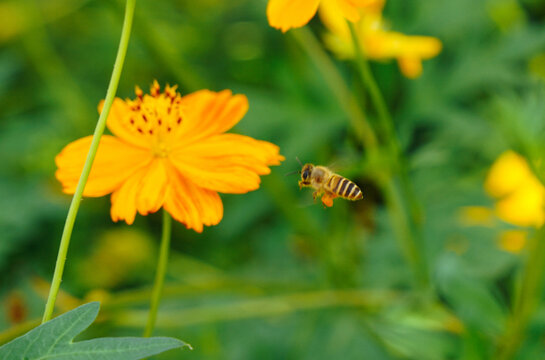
<point x="53" y="341"/>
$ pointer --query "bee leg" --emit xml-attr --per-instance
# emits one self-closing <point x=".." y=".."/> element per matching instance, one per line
<point x="327" y="200"/>
<point x="317" y="193"/>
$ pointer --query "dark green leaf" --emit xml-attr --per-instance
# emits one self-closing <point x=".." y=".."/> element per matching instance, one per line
<point x="53" y="341"/>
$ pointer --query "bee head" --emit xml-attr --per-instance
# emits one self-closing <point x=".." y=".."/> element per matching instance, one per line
<point x="306" y="171"/>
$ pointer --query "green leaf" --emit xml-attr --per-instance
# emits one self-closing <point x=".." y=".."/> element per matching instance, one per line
<point x="53" y="340"/>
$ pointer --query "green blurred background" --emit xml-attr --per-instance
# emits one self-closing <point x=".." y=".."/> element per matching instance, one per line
<point x="279" y="277"/>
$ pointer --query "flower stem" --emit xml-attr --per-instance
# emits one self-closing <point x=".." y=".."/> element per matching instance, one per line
<point x="99" y="130"/>
<point x="402" y="197"/>
<point x="334" y="80"/>
<point x="385" y="120"/>
<point x="160" y="274"/>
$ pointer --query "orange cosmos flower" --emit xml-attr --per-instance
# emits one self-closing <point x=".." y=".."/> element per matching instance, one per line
<point x="171" y="151"/>
<point x="377" y="42"/>
<point x="287" y="14"/>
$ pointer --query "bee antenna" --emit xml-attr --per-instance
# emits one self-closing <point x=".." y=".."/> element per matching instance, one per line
<point x="293" y="172"/>
<point x="299" y="161"/>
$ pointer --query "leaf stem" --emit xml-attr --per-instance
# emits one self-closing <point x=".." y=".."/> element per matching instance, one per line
<point x="160" y="274"/>
<point x="99" y="130"/>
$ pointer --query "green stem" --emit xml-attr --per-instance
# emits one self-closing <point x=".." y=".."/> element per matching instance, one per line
<point x="404" y="231"/>
<point x="99" y="130"/>
<point x="385" y="120"/>
<point x="334" y="80"/>
<point x="410" y="243"/>
<point x="527" y="299"/>
<point x="160" y="274"/>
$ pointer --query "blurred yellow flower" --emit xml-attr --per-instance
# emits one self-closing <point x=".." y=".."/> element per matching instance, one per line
<point x="520" y="196"/>
<point x="512" y="241"/>
<point x="287" y="14"/>
<point x="376" y="41"/>
<point x="476" y="216"/>
<point x="171" y="151"/>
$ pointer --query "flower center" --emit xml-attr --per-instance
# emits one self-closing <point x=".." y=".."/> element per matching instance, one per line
<point x="161" y="150"/>
<point x="155" y="118"/>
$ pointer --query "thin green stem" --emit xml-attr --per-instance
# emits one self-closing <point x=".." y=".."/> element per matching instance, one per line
<point x="404" y="232"/>
<point x="527" y="299"/>
<point x="159" y="274"/>
<point x="334" y="80"/>
<point x="99" y="130"/>
<point x="385" y="120"/>
<point x="397" y="193"/>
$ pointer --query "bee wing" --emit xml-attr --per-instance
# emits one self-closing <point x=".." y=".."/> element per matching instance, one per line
<point x="337" y="165"/>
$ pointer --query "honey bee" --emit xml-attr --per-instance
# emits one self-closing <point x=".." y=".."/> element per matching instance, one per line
<point x="328" y="184"/>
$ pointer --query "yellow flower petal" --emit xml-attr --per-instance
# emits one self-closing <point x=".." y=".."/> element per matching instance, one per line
<point x="423" y="47"/>
<point x="144" y="192"/>
<point x="227" y="163"/>
<point x="209" y="113"/>
<point x="192" y="205"/>
<point x="376" y="42"/>
<point x="152" y="188"/>
<point x="525" y="206"/>
<point x="332" y="17"/>
<point x="115" y="161"/>
<point x="350" y="8"/>
<point x="287" y="14"/>
<point x="411" y="67"/>
<point x="118" y="123"/>
<point x="124" y="198"/>
<point x="507" y="174"/>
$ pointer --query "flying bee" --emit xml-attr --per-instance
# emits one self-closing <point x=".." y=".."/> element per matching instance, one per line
<point x="328" y="184"/>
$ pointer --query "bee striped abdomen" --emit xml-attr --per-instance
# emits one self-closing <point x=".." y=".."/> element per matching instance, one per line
<point x="344" y="188"/>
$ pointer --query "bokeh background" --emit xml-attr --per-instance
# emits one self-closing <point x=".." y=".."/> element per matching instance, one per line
<point x="280" y="277"/>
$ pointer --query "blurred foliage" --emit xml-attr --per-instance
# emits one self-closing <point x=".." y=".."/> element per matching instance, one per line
<point x="279" y="277"/>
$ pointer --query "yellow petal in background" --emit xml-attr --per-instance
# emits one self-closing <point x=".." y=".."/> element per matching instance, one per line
<point x="524" y="206"/>
<point x="411" y="67"/>
<point x="349" y="9"/>
<point x="476" y="216"/>
<point x="332" y="17"/>
<point x="507" y="174"/>
<point x="512" y="241"/>
<point x="287" y="14"/>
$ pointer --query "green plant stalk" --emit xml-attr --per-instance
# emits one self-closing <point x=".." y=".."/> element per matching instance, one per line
<point x="159" y="274"/>
<point x="385" y="120"/>
<point x="404" y="232"/>
<point x="386" y="124"/>
<point x="527" y="298"/>
<point x="396" y="193"/>
<point x="334" y="80"/>
<point x="256" y="307"/>
<point x="99" y="130"/>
